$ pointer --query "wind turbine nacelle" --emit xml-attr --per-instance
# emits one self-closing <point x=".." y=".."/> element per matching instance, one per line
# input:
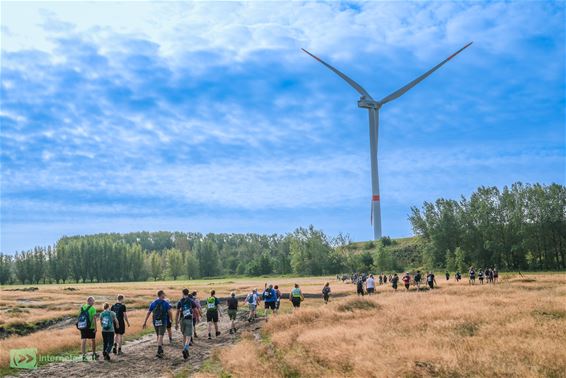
<point x="368" y="104"/>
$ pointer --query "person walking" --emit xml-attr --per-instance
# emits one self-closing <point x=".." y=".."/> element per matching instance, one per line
<point x="431" y="281"/>
<point x="458" y="276"/>
<point x="270" y="299"/>
<point x="232" y="311"/>
<point x="370" y="285"/>
<point x="360" y="287"/>
<point x="120" y="310"/>
<point x="197" y="314"/>
<point x="407" y="280"/>
<point x="472" y="276"/>
<point x="417" y="279"/>
<point x="394" y="281"/>
<point x="108" y="323"/>
<point x="297" y="297"/>
<point x="447" y="274"/>
<point x="278" y="303"/>
<point x="160" y="310"/>
<point x="86" y="323"/>
<point x="212" y="314"/>
<point x="251" y="300"/>
<point x="185" y="311"/>
<point x="326" y="292"/>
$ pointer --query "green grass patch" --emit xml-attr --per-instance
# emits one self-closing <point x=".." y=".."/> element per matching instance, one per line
<point x="357" y="305"/>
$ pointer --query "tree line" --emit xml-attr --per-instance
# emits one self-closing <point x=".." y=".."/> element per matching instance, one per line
<point x="518" y="227"/>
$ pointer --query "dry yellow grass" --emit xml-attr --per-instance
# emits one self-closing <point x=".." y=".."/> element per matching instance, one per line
<point x="516" y="328"/>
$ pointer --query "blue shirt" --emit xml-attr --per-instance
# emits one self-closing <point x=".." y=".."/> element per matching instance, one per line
<point x="165" y="307"/>
<point x="270" y="298"/>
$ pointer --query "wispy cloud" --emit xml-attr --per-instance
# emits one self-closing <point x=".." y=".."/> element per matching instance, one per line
<point x="191" y="111"/>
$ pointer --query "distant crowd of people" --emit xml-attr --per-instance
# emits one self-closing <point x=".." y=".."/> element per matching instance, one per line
<point x="366" y="283"/>
<point x="189" y="312"/>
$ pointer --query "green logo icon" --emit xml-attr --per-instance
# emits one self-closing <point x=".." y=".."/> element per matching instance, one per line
<point x="23" y="358"/>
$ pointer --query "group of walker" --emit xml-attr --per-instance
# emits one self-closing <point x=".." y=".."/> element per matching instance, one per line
<point x="189" y="311"/>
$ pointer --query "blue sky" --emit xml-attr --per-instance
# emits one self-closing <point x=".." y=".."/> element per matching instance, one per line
<point x="207" y="117"/>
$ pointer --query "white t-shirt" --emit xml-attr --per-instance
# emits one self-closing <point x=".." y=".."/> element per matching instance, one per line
<point x="370" y="282"/>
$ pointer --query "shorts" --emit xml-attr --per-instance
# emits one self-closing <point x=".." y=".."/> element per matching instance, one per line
<point x="121" y="328"/>
<point x="277" y="304"/>
<point x="394" y="286"/>
<point x="232" y="314"/>
<point x="270" y="305"/>
<point x="407" y="285"/>
<point x="187" y="327"/>
<point x="370" y="290"/>
<point x="431" y="285"/>
<point x="212" y="316"/>
<point x="361" y="291"/>
<point x="252" y="306"/>
<point x="160" y="330"/>
<point x="325" y="297"/>
<point x="296" y="302"/>
<point x="88" y="333"/>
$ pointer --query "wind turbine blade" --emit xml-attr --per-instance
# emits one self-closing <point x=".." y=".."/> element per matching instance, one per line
<point x="354" y="85"/>
<point x="398" y="93"/>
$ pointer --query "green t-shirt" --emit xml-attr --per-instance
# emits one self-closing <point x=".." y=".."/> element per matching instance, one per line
<point x="91" y="314"/>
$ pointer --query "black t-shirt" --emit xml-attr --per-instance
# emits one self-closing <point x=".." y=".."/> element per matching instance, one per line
<point x="430" y="277"/>
<point x="232" y="303"/>
<point x="119" y="309"/>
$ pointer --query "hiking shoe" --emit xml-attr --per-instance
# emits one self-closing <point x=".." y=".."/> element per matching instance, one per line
<point x="231" y="331"/>
<point x="119" y="351"/>
<point x="217" y="333"/>
<point x="114" y="350"/>
<point x="95" y="356"/>
<point x="209" y="336"/>
<point x="185" y="354"/>
<point x="85" y="357"/>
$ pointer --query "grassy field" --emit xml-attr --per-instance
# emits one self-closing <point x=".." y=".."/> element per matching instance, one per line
<point x="26" y="311"/>
<point x="514" y="328"/>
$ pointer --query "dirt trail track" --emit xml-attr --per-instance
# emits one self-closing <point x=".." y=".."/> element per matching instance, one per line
<point x="139" y="358"/>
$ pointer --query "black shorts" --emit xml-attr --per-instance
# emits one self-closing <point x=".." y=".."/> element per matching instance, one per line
<point x="431" y="285"/>
<point x="370" y="290"/>
<point x="212" y="316"/>
<point x="88" y="333"/>
<point x="121" y="328"/>
<point x="407" y="285"/>
<point x="270" y="305"/>
<point x="296" y="302"/>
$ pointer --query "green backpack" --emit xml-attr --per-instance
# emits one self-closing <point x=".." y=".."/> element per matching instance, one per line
<point x="106" y="320"/>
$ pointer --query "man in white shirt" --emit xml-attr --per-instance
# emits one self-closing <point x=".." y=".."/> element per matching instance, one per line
<point x="370" y="284"/>
<point x="251" y="300"/>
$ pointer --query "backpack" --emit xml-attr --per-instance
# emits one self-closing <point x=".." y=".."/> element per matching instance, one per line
<point x="106" y="321"/>
<point x="251" y="298"/>
<point x="211" y="304"/>
<point x="83" y="322"/>
<point x="158" y="317"/>
<point x="187" y="308"/>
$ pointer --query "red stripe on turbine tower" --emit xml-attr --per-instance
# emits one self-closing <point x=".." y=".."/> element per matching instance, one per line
<point x="375" y="198"/>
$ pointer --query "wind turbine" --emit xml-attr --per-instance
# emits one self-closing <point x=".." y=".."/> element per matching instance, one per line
<point x="373" y="106"/>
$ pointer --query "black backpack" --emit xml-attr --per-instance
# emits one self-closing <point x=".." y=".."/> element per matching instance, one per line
<point x="158" y="316"/>
<point x="187" y="308"/>
<point x="83" y="322"/>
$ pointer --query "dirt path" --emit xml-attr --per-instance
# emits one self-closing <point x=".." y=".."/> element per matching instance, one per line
<point x="139" y="358"/>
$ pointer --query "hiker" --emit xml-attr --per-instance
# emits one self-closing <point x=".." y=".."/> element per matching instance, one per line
<point x="385" y="280"/>
<point x="119" y="308"/>
<point x="472" y="276"/>
<point x="278" y="293"/>
<point x="251" y="300"/>
<point x="185" y="310"/>
<point x="407" y="280"/>
<point x="160" y="309"/>
<point x="495" y="275"/>
<point x="394" y="281"/>
<point x="431" y="280"/>
<point x="86" y="323"/>
<point x="380" y="279"/>
<point x="417" y="279"/>
<point x="458" y="276"/>
<point x="491" y="276"/>
<point x="169" y="324"/>
<point x="360" y="287"/>
<point x="232" y="311"/>
<point x="270" y="298"/>
<point x="197" y="314"/>
<point x="480" y="276"/>
<point x="447" y="274"/>
<point x="296" y="297"/>
<point x="390" y="277"/>
<point x="370" y="285"/>
<point x="108" y="323"/>
<point x="212" y="313"/>
<point x="326" y="292"/>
